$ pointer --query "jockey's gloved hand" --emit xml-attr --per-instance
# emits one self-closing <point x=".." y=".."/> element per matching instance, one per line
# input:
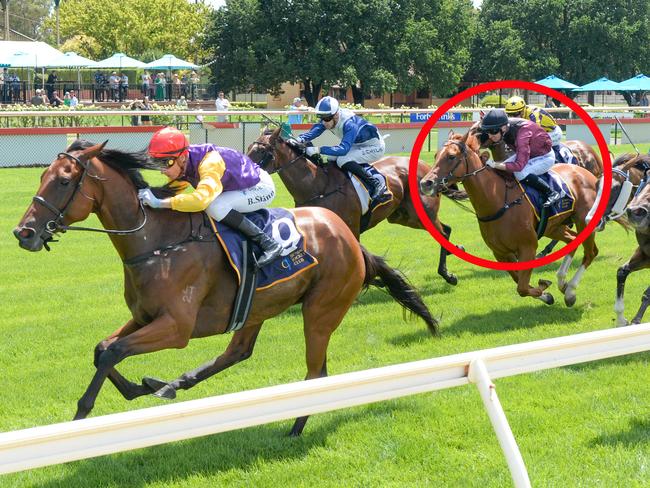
<point x="491" y="163"/>
<point x="311" y="150"/>
<point x="147" y="197"/>
<point x="296" y="144"/>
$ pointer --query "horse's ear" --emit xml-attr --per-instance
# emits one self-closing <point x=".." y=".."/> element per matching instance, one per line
<point x="450" y="134"/>
<point x="471" y="141"/>
<point x="274" y="136"/>
<point x="92" y="151"/>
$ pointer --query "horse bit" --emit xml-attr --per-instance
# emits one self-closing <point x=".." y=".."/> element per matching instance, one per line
<point x="56" y="225"/>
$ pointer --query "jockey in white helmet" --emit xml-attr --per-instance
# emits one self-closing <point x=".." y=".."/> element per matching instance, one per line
<point x="360" y="141"/>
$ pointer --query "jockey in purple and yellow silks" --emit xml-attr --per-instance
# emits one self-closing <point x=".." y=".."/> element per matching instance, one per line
<point x="226" y="182"/>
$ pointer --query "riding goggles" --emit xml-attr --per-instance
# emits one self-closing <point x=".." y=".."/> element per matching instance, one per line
<point x="494" y="130"/>
<point x="326" y="118"/>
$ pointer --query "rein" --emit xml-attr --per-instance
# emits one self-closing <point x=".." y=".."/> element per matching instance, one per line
<point x="54" y="226"/>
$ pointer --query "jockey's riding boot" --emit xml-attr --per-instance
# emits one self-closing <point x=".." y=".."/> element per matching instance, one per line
<point x="550" y="195"/>
<point x="373" y="185"/>
<point x="272" y="249"/>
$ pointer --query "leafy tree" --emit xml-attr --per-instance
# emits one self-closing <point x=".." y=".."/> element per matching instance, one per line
<point x="376" y="45"/>
<point x="26" y="17"/>
<point x="134" y="27"/>
<point x="580" y="41"/>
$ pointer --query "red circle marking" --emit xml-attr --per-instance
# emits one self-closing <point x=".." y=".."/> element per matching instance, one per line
<point x="497" y="85"/>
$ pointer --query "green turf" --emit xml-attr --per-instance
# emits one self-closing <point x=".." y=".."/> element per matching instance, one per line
<point x="583" y="425"/>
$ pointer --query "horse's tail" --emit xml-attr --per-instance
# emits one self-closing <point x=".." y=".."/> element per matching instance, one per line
<point x="380" y="274"/>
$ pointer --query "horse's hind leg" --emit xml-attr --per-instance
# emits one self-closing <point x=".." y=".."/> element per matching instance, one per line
<point x="645" y="301"/>
<point x="323" y="310"/>
<point x="240" y="348"/>
<point x="590" y="253"/>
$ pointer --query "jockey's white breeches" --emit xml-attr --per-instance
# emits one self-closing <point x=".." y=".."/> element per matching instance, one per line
<point x="365" y="152"/>
<point x="248" y="200"/>
<point x="537" y="165"/>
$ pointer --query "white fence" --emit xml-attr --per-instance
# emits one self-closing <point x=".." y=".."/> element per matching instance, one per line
<point x="69" y="441"/>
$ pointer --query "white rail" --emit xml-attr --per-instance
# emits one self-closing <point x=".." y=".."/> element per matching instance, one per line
<point x="68" y="441"/>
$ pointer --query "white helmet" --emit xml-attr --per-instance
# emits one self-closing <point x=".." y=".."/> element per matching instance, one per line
<point x="327" y="106"/>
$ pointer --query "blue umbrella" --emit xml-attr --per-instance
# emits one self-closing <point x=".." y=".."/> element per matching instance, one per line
<point x="636" y="83"/>
<point x="556" y="83"/>
<point x="601" y="84"/>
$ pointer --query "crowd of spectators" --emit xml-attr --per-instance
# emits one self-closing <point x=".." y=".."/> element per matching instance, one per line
<point x="10" y="87"/>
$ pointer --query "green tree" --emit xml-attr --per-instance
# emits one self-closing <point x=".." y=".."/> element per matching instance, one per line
<point x="26" y="17"/>
<point x="135" y="27"/>
<point x="580" y="41"/>
<point x="376" y="45"/>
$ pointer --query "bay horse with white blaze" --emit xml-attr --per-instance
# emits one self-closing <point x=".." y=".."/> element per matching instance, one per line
<point x="177" y="278"/>
<point x="327" y="186"/>
<point x="507" y="224"/>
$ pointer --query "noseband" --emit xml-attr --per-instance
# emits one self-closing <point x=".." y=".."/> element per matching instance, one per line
<point x="56" y="225"/>
<point x="269" y="157"/>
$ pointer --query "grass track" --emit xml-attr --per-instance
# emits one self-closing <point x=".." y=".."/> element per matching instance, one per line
<point x="584" y="425"/>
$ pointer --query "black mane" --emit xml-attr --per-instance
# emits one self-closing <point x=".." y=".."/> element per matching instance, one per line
<point x="128" y="163"/>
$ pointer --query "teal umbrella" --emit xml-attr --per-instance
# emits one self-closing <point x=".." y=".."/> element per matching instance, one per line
<point x="556" y="83"/>
<point x="601" y="84"/>
<point x="636" y="83"/>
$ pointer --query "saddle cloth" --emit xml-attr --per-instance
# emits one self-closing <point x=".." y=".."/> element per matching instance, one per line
<point x="362" y="192"/>
<point x="563" y="206"/>
<point x="564" y="155"/>
<point x="280" y="225"/>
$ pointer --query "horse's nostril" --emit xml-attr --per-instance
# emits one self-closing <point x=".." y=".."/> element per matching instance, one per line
<point x="22" y="233"/>
<point x="637" y="212"/>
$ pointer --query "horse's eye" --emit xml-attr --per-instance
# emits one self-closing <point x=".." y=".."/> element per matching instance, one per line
<point x="452" y="158"/>
<point x="64" y="182"/>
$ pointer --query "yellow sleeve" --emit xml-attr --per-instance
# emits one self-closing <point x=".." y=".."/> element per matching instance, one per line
<point x="211" y="170"/>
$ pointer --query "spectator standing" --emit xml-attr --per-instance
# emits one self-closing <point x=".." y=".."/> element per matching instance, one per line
<point x="124" y="87"/>
<point x="160" y="87"/>
<point x="146" y="84"/>
<point x="99" y="89"/>
<point x="222" y="104"/>
<point x="296" y="105"/>
<point x="4" y="80"/>
<point x="184" y="82"/>
<point x="181" y="104"/>
<point x="114" y="86"/>
<point x="66" y="99"/>
<point x="176" y="86"/>
<point x="643" y="102"/>
<point x="15" y="87"/>
<point x="50" y="84"/>
<point x="194" y="85"/>
<point x="549" y="103"/>
<point x="136" y="119"/>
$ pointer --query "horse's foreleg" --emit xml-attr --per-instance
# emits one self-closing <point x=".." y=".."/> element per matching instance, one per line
<point x="445" y="230"/>
<point x="162" y="333"/>
<point x="240" y="348"/>
<point x="638" y="261"/>
<point x="591" y="251"/>
<point x="523" y="279"/>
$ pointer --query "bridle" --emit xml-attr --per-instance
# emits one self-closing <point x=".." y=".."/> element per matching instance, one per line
<point x="269" y="158"/>
<point x="444" y="181"/>
<point x="56" y="225"/>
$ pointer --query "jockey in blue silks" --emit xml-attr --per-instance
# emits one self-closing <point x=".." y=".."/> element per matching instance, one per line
<point x="360" y="141"/>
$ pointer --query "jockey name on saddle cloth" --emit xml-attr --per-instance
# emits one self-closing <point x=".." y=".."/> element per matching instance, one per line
<point x="280" y="225"/>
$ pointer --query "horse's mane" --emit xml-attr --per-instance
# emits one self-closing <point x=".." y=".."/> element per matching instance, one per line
<point x="128" y="164"/>
<point x="632" y="160"/>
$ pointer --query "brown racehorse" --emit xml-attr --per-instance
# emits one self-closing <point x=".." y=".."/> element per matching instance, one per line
<point x="510" y="229"/>
<point x="179" y="287"/>
<point x="329" y="187"/>
<point x="633" y="167"/>
<point x="638" y="214"/>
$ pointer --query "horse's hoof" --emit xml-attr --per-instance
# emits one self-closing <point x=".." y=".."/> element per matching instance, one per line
<point x="544" y="284"/>
<point x="450" y="278"/>
<point x="547" y="298"/>
<point x="154" y="384"/>
<point x="461" y="247"/>
<point x="622" y="322"/>
<point x="167" y="392"/>
<point x="562" y="287"/>
<point x="569" y="300"/>
<point x="540" y="255"/>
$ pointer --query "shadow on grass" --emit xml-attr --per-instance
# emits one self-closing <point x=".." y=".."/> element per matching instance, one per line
<point x="498" y="321"/>
<point x="637" y="433"/>
<point x="240" y="450"/>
